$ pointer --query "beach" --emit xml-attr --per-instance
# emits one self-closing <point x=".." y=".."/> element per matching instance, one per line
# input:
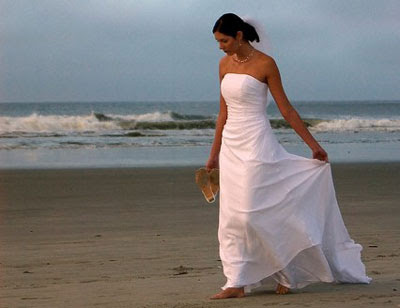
<point x="145" y="237"/>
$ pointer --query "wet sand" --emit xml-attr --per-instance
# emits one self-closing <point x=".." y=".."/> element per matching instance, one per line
<point x="145" y="237"/>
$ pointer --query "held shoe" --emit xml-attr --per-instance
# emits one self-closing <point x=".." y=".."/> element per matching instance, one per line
<point x="208" y="183"/>
<point x="214" y="180"/>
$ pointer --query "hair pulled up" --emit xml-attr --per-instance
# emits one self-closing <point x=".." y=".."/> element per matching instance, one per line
<point x="230" y="24"/>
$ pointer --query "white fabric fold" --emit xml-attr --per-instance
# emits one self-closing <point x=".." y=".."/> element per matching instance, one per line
<point x="279" y="219"/>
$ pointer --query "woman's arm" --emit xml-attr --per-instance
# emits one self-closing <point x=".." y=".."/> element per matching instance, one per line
<point x="219" y="126"/>
<point x="289" y="113"/>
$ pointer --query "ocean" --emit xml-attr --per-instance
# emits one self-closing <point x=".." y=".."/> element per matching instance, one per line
<point x="146" y="134"/>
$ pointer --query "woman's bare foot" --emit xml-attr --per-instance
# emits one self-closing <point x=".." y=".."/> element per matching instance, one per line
<point x="280" y="289"/>
<point x="229" y="293"/>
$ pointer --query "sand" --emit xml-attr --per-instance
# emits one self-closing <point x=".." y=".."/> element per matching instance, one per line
<point x="145" y="237"/>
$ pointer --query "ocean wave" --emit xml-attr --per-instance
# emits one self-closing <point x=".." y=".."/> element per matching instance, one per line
<point x="36" y="123"/>
<point x="136" y="125"/>
<point x="156" y="116"/>
<point x="98" y="122"/>
<point x="358" y="124"/>
<point x="40" y="125"/>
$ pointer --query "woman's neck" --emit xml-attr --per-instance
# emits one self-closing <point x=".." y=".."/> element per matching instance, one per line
<point x="244" y="51"/>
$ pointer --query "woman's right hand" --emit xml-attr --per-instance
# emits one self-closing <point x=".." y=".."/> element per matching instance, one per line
<point x="212" y="162"/>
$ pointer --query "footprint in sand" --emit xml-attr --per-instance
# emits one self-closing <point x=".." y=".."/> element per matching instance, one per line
<point x="182" y="270"/>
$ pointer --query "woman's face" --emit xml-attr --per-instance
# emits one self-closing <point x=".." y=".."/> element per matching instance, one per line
<point x="227" y="43"/>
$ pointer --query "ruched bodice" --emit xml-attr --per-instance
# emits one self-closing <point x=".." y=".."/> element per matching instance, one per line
<point x="247" y="125"/>
<point x="278" y="218"/>
<point x="244" y="95"/>
<point x="239" y="86"/>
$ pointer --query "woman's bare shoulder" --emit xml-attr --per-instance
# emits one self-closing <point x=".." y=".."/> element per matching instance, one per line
<point x="224" y="61"/>
<point x="223" y="64"/>
<point x="268" y="64"/>
<point x="265" y="59"/>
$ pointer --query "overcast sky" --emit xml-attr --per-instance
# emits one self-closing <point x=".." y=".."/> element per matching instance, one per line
<point x="164" y="50"/>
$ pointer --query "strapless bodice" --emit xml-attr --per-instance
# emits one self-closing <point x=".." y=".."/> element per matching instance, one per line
<point x="245" y="96"/>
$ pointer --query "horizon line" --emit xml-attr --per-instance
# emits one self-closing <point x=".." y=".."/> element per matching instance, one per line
<point x="188" y="101"/>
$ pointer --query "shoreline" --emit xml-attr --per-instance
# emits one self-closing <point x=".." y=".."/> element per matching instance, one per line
<point x="177" y="156"/>
<point x="189" y="166"/>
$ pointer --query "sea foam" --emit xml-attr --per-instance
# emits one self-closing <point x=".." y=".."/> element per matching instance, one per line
<point x="111" y="123"/>
<point x="355" y="124"/>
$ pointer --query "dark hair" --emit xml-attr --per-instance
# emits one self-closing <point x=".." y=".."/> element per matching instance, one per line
<point x="230" y="24"/>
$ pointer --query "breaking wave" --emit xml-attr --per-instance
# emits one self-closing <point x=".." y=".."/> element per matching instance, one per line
<point x="126" y="125"/>
<point x="358" y="124"/>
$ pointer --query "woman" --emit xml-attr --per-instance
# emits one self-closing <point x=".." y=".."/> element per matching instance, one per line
<point x="279" y="220"/>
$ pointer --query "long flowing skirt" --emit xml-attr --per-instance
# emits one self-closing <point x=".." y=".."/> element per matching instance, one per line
<point x="279" y="219"/>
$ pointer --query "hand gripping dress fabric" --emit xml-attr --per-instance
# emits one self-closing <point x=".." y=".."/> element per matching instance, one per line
<point x="279" y="220"/>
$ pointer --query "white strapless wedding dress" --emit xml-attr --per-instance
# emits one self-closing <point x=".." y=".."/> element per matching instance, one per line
<point x="279" y="220"/>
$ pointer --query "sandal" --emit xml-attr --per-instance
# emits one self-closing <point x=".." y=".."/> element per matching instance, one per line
<point x="214" y="180"/>
<point x="208" y="183"/>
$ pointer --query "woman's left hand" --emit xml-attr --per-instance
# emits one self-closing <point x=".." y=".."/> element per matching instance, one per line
<point x="319" y="153"/>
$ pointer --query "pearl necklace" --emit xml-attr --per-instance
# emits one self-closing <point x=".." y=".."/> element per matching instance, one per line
<point x="235" y="58"/>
